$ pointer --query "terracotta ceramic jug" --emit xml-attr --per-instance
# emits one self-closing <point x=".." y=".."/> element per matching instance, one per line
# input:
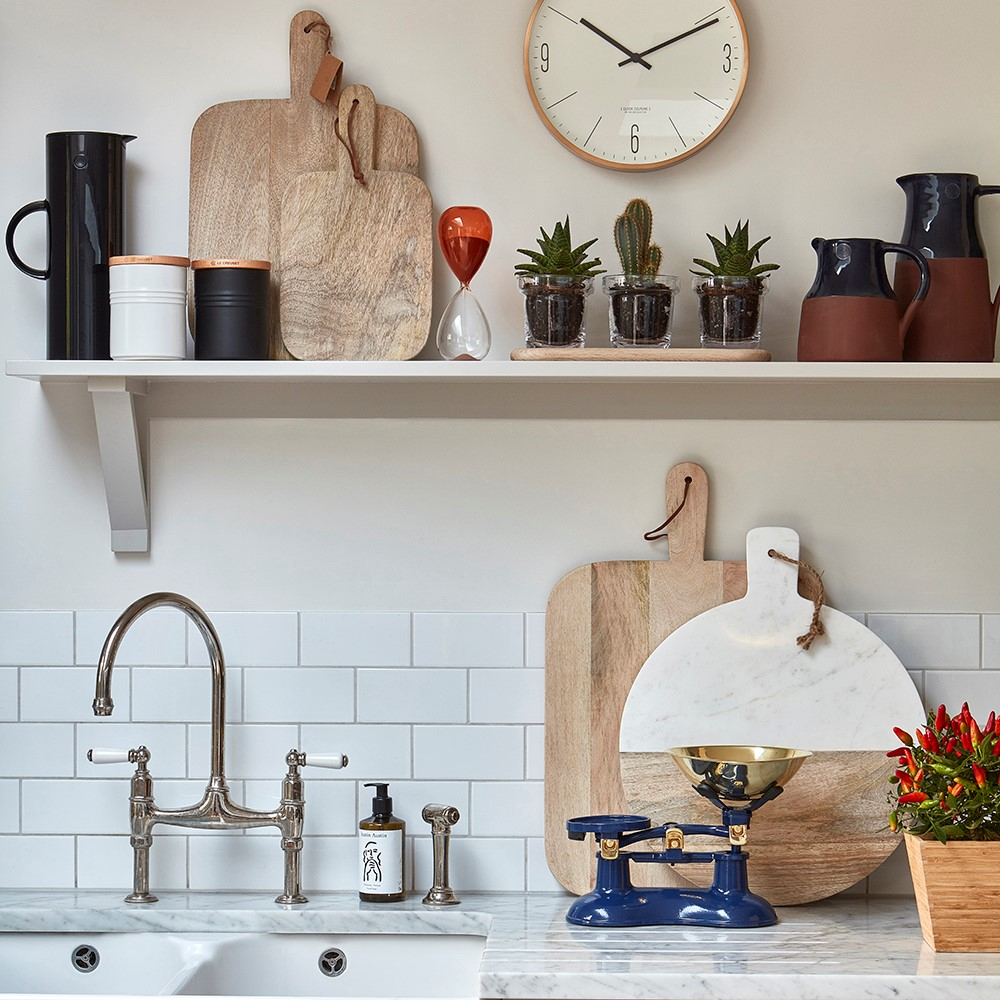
<point x="958" y="322"/>
<point x="851" y="313"/>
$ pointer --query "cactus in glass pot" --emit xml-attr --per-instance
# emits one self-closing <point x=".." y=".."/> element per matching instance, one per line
<point x="640" y="299"/>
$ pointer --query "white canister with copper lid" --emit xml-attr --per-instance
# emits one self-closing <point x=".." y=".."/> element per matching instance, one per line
<point x="148" y="308"/>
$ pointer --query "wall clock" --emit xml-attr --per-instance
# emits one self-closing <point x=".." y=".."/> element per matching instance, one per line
<point x="635" y="84"/>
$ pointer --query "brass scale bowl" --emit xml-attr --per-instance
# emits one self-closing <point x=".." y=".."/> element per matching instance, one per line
<point x="738" y="773"/>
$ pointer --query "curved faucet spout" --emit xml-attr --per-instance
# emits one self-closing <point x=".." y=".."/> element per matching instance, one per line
<point x="103" y="703"/>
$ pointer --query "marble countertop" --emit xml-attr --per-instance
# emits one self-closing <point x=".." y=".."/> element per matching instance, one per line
<point x="840" y="949"/>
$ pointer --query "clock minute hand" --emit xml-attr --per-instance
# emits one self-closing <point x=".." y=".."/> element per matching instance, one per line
<point x="632" y="56"/>
<point x="670" y="41"/>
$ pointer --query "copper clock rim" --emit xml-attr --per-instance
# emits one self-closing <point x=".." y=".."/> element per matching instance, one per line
<point x="635" y="167"/>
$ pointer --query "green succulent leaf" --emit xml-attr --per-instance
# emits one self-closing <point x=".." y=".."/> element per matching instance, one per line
<point x="557" y="255"/>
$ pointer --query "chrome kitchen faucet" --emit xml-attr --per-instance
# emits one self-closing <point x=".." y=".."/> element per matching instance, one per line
<point x="215" y="811"/>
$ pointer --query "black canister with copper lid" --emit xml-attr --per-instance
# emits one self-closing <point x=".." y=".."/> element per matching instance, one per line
<point x="231" y="300"/>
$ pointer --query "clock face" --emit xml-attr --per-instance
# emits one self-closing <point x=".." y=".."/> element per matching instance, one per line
<point x="635" y="84"/>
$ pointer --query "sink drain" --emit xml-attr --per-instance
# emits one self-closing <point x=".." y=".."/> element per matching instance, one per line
<point x="85" y="958"/>
<point x="333" y="962"/>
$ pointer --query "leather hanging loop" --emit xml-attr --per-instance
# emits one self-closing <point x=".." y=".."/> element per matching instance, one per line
<point x="350" y="144"/>
<point x="659" y="532"/>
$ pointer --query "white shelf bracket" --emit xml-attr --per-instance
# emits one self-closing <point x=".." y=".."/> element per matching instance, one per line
<point x="121" y="460"/>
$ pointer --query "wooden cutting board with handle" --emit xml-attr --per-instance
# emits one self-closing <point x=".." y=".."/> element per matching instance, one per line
<point x="737" y="675"/>
<point x="244" y="154"/>
<point x="356" y="251"/>
<point x="602" y="622"/>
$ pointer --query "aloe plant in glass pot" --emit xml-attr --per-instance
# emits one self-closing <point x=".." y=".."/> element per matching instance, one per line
<point x="731" y="289"/>
<point x="556" y="280"/>
<point x="640" y="300"/>
<point x="945" y="796"/>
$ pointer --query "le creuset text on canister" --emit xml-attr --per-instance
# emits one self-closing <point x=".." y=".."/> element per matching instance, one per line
<point x="148" y="308"/>
<point x="85" y="209"/>
<point x="231" y="300"/>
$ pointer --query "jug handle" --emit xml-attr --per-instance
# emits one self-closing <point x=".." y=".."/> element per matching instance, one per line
<point x="21" y="213"/>
<point x="981" y="190"/>
<point x="922" y="289"/>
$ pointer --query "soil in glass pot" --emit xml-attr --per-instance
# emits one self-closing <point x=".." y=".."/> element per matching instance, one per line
<point x="729" y="310"/>
<point x="554" y="309"/>
<point x="640" y="309"/>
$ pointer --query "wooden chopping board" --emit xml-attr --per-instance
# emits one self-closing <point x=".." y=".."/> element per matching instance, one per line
<point x="244" y="154"/>
<point x="736" y="675"/>
<point x="356" y="256"/>
<point x="602" y="622"/>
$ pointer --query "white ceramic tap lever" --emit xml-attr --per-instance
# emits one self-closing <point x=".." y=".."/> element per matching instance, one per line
<point x="104" y="756"/>
<point x="333" y="760"/>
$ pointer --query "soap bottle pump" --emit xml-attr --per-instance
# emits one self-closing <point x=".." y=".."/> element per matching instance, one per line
<point x="380" y="843"/>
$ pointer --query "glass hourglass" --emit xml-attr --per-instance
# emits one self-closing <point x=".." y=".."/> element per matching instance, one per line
<point x="464" y="234"/>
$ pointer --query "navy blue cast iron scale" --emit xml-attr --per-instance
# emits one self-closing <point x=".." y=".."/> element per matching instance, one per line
<point x="748" y="777"/>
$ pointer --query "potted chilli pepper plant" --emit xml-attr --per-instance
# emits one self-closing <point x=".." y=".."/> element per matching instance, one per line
<point x="731" y="289"/>
<point x="945" y="796"/>
<point x="556" y="280"/>
<point x="640" y="300"/>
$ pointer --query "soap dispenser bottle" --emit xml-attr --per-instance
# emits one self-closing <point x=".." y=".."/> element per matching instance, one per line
<point x="380" y="843"/>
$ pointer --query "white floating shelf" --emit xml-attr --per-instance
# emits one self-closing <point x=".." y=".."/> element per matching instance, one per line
<point x="695" y="389"/>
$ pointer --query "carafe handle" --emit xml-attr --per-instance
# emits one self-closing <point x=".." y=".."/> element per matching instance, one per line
<point x="21" y="213"/>
<point x="922" y="288"/>
<point x="981" y="190"/>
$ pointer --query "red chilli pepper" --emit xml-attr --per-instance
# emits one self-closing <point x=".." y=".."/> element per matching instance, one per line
<point x="996" y="729"/>
<point x="966" y="714"/>
<point x="932" y="742"/>
<point x="911" y="764"/>
<point x="979" y="774"/>
<point x="912" y="797"/>
<point x="898" y="752"/>
<point x="975" y="733"/>
<point x="956" y="789"/>
<point x="967" y="742"/>
<point x="951" y="744"/>
<point x="990" y="723"/>
<point x="919" y="776"/>
<point x="941" y="721"/>
<point x="996" y="749"/>
<point x="903" y="736"/>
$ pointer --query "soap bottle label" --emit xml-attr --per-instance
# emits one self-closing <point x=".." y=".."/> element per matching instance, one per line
<point x="381" y="861"/>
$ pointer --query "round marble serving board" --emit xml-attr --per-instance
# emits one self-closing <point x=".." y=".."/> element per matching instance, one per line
<point x="735" y="675"/>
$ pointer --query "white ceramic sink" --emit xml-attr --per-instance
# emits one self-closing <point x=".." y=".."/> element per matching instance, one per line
<point x="249" y="964"/>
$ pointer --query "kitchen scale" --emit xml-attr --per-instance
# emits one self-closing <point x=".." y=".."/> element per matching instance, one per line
<point x="736" y="779"/>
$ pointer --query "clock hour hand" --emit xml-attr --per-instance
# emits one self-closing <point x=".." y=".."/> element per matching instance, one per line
<point x="632" y="56"/>
<point x="637" y="56"/>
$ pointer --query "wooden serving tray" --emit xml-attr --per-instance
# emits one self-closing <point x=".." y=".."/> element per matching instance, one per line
<point x="635" y="354"/>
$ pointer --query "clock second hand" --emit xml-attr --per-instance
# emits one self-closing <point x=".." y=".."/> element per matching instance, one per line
<point x="633" y="56"/>
<point x="637" y="56"/>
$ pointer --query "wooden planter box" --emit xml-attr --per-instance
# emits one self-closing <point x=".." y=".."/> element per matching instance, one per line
<point x="957" y="886"/>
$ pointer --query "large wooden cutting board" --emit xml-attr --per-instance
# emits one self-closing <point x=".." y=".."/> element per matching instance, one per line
<point x="602" y="622"/>
<point x="244" y="154"/>
<point x="737" y="675"/>
<point x="356" y="254"/>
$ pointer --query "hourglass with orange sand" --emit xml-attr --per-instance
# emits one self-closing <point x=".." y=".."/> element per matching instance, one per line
<point x="464" y="234"/>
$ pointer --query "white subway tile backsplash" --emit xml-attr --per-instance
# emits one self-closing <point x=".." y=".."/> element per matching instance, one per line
<point x="330" y="806"/>
<point x="507" y="696"/>
<point x="938" y="642"/>
<point x="180" y="694"/>
<point x="36" y="637"/>
<point x="540" y="879"/>
<point x="355" y="639"/>
<point x="475" y="863"/>
<point x="534" y="767"/>
<point x="299" y="694"/>
<point x="92" y="806"/>
<point x="36" y="749"/>
<point x="65" y="694"/>
<point x="534" y="640"/>
<point x="37" y="862"/>
<point x="251" y="751"/>
<point x="991" y="642"/>
<point x="249" y="639"/>
<point x="156" y="638"/>
<point x="412" y="695"/>
<point x="8" y="694"/>
<point x="980" y="688"/>
<point x="106" y="863"/>
<point x="468" y="640"/>
<point x="375" y="752"/>
<point x="167" y="745"/>
<point x="10" y="805"/>
<point x="468" y="752"/>
<point x="331" y="864"/>
<point x="507" y="809"/>
<point x="231" y="861"/>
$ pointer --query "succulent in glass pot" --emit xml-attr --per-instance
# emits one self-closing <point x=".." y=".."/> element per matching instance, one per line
<point x="556" y="280"/>
<point x="730" y="290"/>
